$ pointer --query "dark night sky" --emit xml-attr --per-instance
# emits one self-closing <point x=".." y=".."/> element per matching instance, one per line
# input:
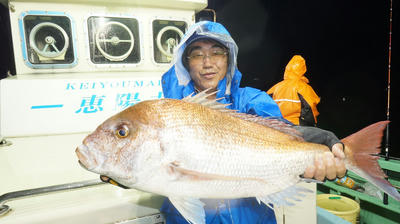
<point x="345" y="44"/>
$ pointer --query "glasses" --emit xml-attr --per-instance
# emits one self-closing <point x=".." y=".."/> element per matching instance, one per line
<point x="214" y="55"/>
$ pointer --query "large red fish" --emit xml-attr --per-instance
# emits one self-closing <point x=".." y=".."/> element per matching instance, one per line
<point x="194" y="148"/>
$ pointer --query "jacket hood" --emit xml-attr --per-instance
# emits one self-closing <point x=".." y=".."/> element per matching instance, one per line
<point x="296" y="68"/>
<point x="217" y="32"/>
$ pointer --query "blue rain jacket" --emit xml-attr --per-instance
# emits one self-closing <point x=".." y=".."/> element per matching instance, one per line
<point x="177" y="84"/>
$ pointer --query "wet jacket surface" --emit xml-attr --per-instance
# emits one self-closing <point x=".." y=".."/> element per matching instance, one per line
<point x="177" y="84"/>
<point x="294" y="96"/>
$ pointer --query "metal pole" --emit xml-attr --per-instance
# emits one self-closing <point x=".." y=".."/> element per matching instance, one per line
<point x="43" y="190"/>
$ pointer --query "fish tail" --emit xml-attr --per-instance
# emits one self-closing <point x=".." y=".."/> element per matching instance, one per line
<point x="361" y="149"/>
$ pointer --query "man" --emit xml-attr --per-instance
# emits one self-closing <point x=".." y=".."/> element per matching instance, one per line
<point x="206" y="59"/>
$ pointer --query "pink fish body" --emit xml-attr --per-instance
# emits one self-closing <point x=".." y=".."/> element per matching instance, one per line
<point x="193" y="148"/>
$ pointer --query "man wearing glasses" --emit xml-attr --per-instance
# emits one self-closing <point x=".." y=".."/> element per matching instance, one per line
<point x="206" y="59"/>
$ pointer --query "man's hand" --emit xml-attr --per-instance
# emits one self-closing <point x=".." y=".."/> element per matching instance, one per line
<point x="328" y="165"/>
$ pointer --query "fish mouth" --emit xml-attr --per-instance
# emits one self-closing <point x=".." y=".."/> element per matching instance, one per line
<point x="88" y="162"/>
<point x="83" y="166"/>
<point x="84" y="156"/>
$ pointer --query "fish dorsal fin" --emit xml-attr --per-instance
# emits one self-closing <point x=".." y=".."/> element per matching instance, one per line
<point x="192" y="209"/>
<point x="201" y="98"/>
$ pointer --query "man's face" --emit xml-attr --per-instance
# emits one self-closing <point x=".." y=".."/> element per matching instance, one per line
<point x="208" y="63"/>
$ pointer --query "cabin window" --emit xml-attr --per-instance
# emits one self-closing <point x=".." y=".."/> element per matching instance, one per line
<point x="49" y="40"/>
<point x="166" y="36"/>
<point x="113" y="40"/>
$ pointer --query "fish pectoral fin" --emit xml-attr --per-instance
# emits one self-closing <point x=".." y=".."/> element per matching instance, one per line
<point x="282" y="198"/>
<point x="192" y="209"/>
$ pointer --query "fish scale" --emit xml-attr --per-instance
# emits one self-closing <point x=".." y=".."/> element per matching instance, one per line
<point x="245" y="152"/>
<point x="237" y="159"/>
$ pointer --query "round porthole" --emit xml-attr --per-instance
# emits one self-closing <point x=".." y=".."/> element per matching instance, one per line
<point x="49" y="40"/>
<point x="115" y="41"/>
<point x="168" y="37"/>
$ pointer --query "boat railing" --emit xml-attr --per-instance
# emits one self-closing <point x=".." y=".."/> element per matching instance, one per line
<point x="42" y="190"/>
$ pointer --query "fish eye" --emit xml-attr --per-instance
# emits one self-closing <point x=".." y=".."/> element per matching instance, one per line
<point x="122" y="132"/>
